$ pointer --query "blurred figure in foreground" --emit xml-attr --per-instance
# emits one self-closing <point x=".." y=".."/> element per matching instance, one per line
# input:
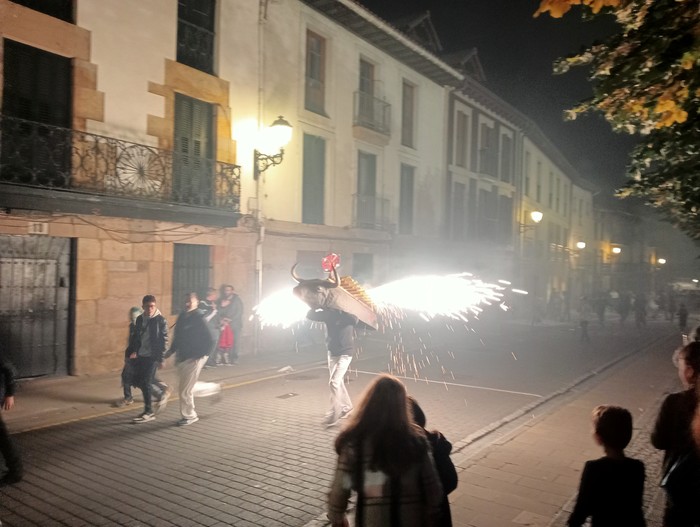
<point x="13" y="460"/>
<point x="385" y="457"/>
<point x="441" y="449"/>
<point x="673" y="434"/>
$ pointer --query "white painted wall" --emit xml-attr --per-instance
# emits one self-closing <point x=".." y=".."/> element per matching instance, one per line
<point x="130" y="41"/>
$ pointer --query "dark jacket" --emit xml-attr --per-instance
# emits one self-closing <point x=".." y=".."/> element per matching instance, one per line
<point x="611" y="494"/>
<point x="193" y="338"/>
<point x="441" y="449"/>
<point x="672" y="434"/>
<point x="672" y="429"/>
<point x="157" y="332"/>
<point x="340" y="328"/>
<point x="232" y="312"/>
<point x="8" y="385"/>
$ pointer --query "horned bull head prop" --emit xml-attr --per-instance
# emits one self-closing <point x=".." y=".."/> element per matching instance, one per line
<point x="314" y="292"/>
<point x="319" y="293"/>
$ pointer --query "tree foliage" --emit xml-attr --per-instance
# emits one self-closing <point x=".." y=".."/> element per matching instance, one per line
<point x="646" y="81"/>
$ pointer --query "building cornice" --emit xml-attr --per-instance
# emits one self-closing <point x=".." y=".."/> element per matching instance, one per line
<point x="368" y="26"/>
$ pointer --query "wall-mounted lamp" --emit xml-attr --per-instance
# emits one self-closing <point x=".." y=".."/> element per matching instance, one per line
<point x="580" y="245"/>
<point x="536" y="217"/>
<point x="661" y="261"/>
<point x="616" y="250"/>
<point x="275" y="137"/>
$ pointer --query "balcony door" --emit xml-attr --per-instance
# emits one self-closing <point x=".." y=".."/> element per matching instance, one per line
<point x="36" y="116"/>
<point x="193" y="158"/>
<point x="366" y="190"/>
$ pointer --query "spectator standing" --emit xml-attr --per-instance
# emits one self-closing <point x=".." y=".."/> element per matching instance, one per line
<point x="385" y="457"/>
<point x="210" y="312"/>
<point x="440" y="448"/>
<point x="191" y="345"/>
<point x="340" y="339"/>
<point x="147" y="344"/>
<point x="12" y="457"/>
<point x="612" y="487"/>
<point x="230" y="307"/>
<point x="673" y="434"/>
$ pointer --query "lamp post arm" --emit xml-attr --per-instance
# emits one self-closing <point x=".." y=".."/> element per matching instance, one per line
<point x="263" y="161"/>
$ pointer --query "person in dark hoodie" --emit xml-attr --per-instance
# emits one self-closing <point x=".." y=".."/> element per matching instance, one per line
<point x="441" y="449"/>
<point x="147" y="344"/>
<point x="340" y="339"/>
<point x="13" y="460"/>
<point x="191" y="345"/>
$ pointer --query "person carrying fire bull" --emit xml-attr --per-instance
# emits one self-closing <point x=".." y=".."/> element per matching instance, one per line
<point x="340" y="339"/>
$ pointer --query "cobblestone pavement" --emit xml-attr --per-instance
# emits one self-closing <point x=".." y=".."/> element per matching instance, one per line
<point x="260" y="457"/>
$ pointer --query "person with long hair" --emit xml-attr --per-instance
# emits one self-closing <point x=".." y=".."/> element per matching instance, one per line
<point x="673" y="434"/>
<point x="384" y="456"/>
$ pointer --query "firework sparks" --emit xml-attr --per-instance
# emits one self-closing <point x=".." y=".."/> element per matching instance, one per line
<point x="459" y="296"/>
<point x="282" y="309"/>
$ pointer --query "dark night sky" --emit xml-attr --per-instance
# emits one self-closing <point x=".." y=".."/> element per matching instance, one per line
<point x="517" y="52"/>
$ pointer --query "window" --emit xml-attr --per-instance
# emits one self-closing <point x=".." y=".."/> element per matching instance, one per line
<point x="191" y="271"/>
<point x="363" y="267"/>
<point x="538" y="197"/>
<point x="458" y="212"/>
<point x="314" y="100"/>
<point x="366" y="92"/>
<point x="408" y="114"/>
<point x="61" y="9"/>
<point x="366" y="206"/>
<point x="193" y="158"/>
<point x="488" y="149"/>
<point x="195" y="33"/>
<point x="406" y="199"/>
<point x="37" y="87"/>
<point x="488" y="214"/>
<point x="550" y="191"/>
<point x="558" y="195"/>
<point x="526" y="187"/>
<point x="506" y="158"/>
<point x="461" y="141"/>
<point x="313" y="185"/>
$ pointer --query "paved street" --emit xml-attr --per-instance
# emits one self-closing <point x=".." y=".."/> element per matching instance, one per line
<point x="260" y="457"/>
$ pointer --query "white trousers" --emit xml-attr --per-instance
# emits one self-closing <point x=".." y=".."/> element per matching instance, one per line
<point x="340" y="399"/>
<point x="188" y="372"/>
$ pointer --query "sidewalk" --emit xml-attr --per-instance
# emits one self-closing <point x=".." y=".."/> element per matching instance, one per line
<point x="41" y="403"/>
<point x="530" y="475"/>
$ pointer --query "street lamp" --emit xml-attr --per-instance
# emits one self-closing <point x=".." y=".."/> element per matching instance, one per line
<point x="275" y="137"/>
<point x="580" y="245"/>
<point x="536" y="217"/>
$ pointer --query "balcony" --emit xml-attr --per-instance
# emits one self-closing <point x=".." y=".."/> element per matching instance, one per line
<point x="372" y="113"/>
<point x="370" y="212"/>
<point x="50" y="158"/>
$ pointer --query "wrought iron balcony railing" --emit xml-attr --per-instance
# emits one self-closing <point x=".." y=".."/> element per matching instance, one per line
<point x="39" y="155"/>
<point x="370" y="212"/>
<point x="373" y="113"/>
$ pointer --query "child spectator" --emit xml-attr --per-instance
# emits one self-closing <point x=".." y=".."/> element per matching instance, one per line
<point x="612" y="487"/>
<point x="441" y="448"/>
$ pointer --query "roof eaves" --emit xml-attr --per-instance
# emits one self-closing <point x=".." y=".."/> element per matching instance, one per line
<point x="368" y="26"/>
